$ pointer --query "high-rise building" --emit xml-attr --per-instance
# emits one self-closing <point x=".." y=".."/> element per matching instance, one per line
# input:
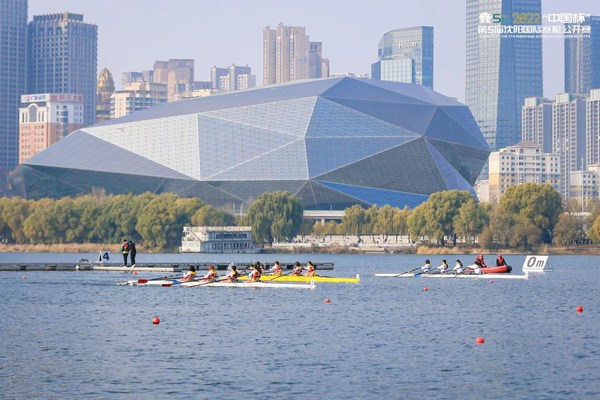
<point x="318" y="66"/>
<point x="285" y="54"/>
<point x="406" y="55"/>
<point x="13" y="79"/>
<point x="592" y="127"/>
<point x="105" y="89"/>
<point x="582" y="57"/>
<point x="46" y="118"/>
<point x="536" y="127"/>
<point x="232" y="78"/>
<point x="521" y="163"/>
<point x="501" y="70"/>
<point x="137" y="96"/>
<point x="568" y="136"/>
<point x="134" y="76"/>
<point x="177" y="74"/>
<point x="62" y="58"/>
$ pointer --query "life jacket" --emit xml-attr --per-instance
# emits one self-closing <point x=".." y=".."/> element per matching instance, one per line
<point x="310" y="271"/>
<point x="297" y="271"/>
<point x="211" y="274"/>
<point x="125" y="248"/>
<point x="188" y="276"/>
<point x="233" y="275"/>
<point x="277" y="270"/>
<point x="254" y="275"/>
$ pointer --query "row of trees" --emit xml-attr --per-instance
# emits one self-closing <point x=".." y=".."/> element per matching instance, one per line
<point x="526" y="216"/>
<point x="154" y="220"/>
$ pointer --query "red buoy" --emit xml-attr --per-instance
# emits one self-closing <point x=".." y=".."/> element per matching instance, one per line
<point x="425" y="289"/>
<point x="134" y="273"/>
<point x="327" y="301"/>
<point x="479" y="340"/>
<point x="491" y="281"/>
<point x="156" y="320"/>
<point x="579" y="309"/>
<point x="24" y="277"/>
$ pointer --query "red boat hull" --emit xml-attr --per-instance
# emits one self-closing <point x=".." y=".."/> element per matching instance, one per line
<point x="503" y="269"/>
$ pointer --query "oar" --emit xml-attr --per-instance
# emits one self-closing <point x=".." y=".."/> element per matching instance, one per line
<point x="213" y="281"/>
<point x="277" y="277"/>
<point x="167" y="278"/>
<point x="407" y="272"/>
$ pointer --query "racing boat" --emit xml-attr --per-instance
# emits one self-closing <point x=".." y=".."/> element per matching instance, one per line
<point x="454" y="275"/>
<point x="217" y="283"/>
<point x="302" y="278"/>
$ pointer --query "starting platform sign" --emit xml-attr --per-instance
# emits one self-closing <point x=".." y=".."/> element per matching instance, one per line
<point x="104" y="256"/>
<point x="536" y="264"/>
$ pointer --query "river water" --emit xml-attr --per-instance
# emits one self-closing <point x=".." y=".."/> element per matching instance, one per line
<point x="78" y="335"/>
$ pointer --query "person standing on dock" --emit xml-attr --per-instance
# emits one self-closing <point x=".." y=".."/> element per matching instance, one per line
<point x="125" y="251"/>
<point x="132" y="253"/>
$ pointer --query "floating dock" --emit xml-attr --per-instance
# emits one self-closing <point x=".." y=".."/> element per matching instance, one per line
<point x="86" y="265"/>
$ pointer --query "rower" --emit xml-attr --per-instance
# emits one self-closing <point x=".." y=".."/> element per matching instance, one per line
<point x="443" y="267"/>
<point x="297" y="269"/>
<point x="211" y="274"/>
<point x="310" y="269"/>
<point x="189" y="275"/>
<point x="427" y="267"/>
<point x="254" y="275"/>
<point x="233" y="274"/>
<point x="458" y="267"/>
<point x="276" y="269"/>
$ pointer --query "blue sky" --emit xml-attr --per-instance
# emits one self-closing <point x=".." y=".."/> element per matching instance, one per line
<point x="132" y="34"/>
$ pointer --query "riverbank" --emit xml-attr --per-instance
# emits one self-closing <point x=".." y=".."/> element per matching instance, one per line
<point x="115" y="248"/>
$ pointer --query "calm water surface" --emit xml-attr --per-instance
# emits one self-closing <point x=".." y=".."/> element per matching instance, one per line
<point x="67" y="335"/>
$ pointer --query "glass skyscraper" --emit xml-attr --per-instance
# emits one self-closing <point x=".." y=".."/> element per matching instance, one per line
<point x="406" y="55"/>
<point x="13" y="75"/>
<point x="62" y="58"/>
<point x="582" y="59"/>
<point x="501" y="70"/>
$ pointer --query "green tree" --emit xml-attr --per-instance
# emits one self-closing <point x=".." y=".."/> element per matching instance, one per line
<point x="532" y="205"/>
<point x="14" y="214"/>
<point x="470" y="221"/>
<point x="354" y="221"/>
<point x="440" y="210"/>
<point x="209" y="216"/>
<point x="417" y="223"/>
<point x="565" y="230"/>
<point x="275" y="215"/>
<point x="384" y="224"/>
<point x="594" y="231"/>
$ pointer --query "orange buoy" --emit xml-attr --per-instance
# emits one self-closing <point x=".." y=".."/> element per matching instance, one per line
<point x="134" y="273"/>
<point x="156" y="320"/>
<point x="479" y="340"/>
<point x="425" y="289"/>
<point x="327" y="301"/>
<point x="579" y="309"/>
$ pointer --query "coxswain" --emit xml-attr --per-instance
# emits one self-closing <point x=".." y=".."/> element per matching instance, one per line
<point x="297" y="269"/>
<point x="310" y="269"/>
<point x="233" y="274"/>
<point x="211" y="274"/>
<point x="189" y="275"/>
<point x="254" y="275"/>
<point x="479" y="261"/>
<point x="458" y="267"/>
<point x="276" y="269"/>
<point x="443" y="267"/>
<point x="500" y="261"/>
<point x="427" y="267"/>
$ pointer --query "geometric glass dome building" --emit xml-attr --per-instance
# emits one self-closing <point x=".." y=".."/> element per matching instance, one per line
<point x="331" y="142"/>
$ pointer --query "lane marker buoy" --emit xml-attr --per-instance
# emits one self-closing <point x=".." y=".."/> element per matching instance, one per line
<point x="579" y="309"/>
<point x="156" y="320"/>
<point x="327" y="301"/>
<point x="425" y="289"/>
<point x="479" y="340"/>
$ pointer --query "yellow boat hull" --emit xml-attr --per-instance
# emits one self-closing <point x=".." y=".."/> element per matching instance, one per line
<point x="295" y="278"/>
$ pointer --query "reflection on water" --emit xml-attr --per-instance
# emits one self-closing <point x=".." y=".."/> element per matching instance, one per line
<point x="78" y="335"/>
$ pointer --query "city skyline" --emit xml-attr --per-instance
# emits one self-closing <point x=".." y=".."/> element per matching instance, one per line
<point x="351" y="48"/>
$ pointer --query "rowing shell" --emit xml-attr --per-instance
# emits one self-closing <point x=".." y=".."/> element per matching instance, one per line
<point x="452" y="275"/>
<point x="302" y="278"/>
<point x="169" y="283"/>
